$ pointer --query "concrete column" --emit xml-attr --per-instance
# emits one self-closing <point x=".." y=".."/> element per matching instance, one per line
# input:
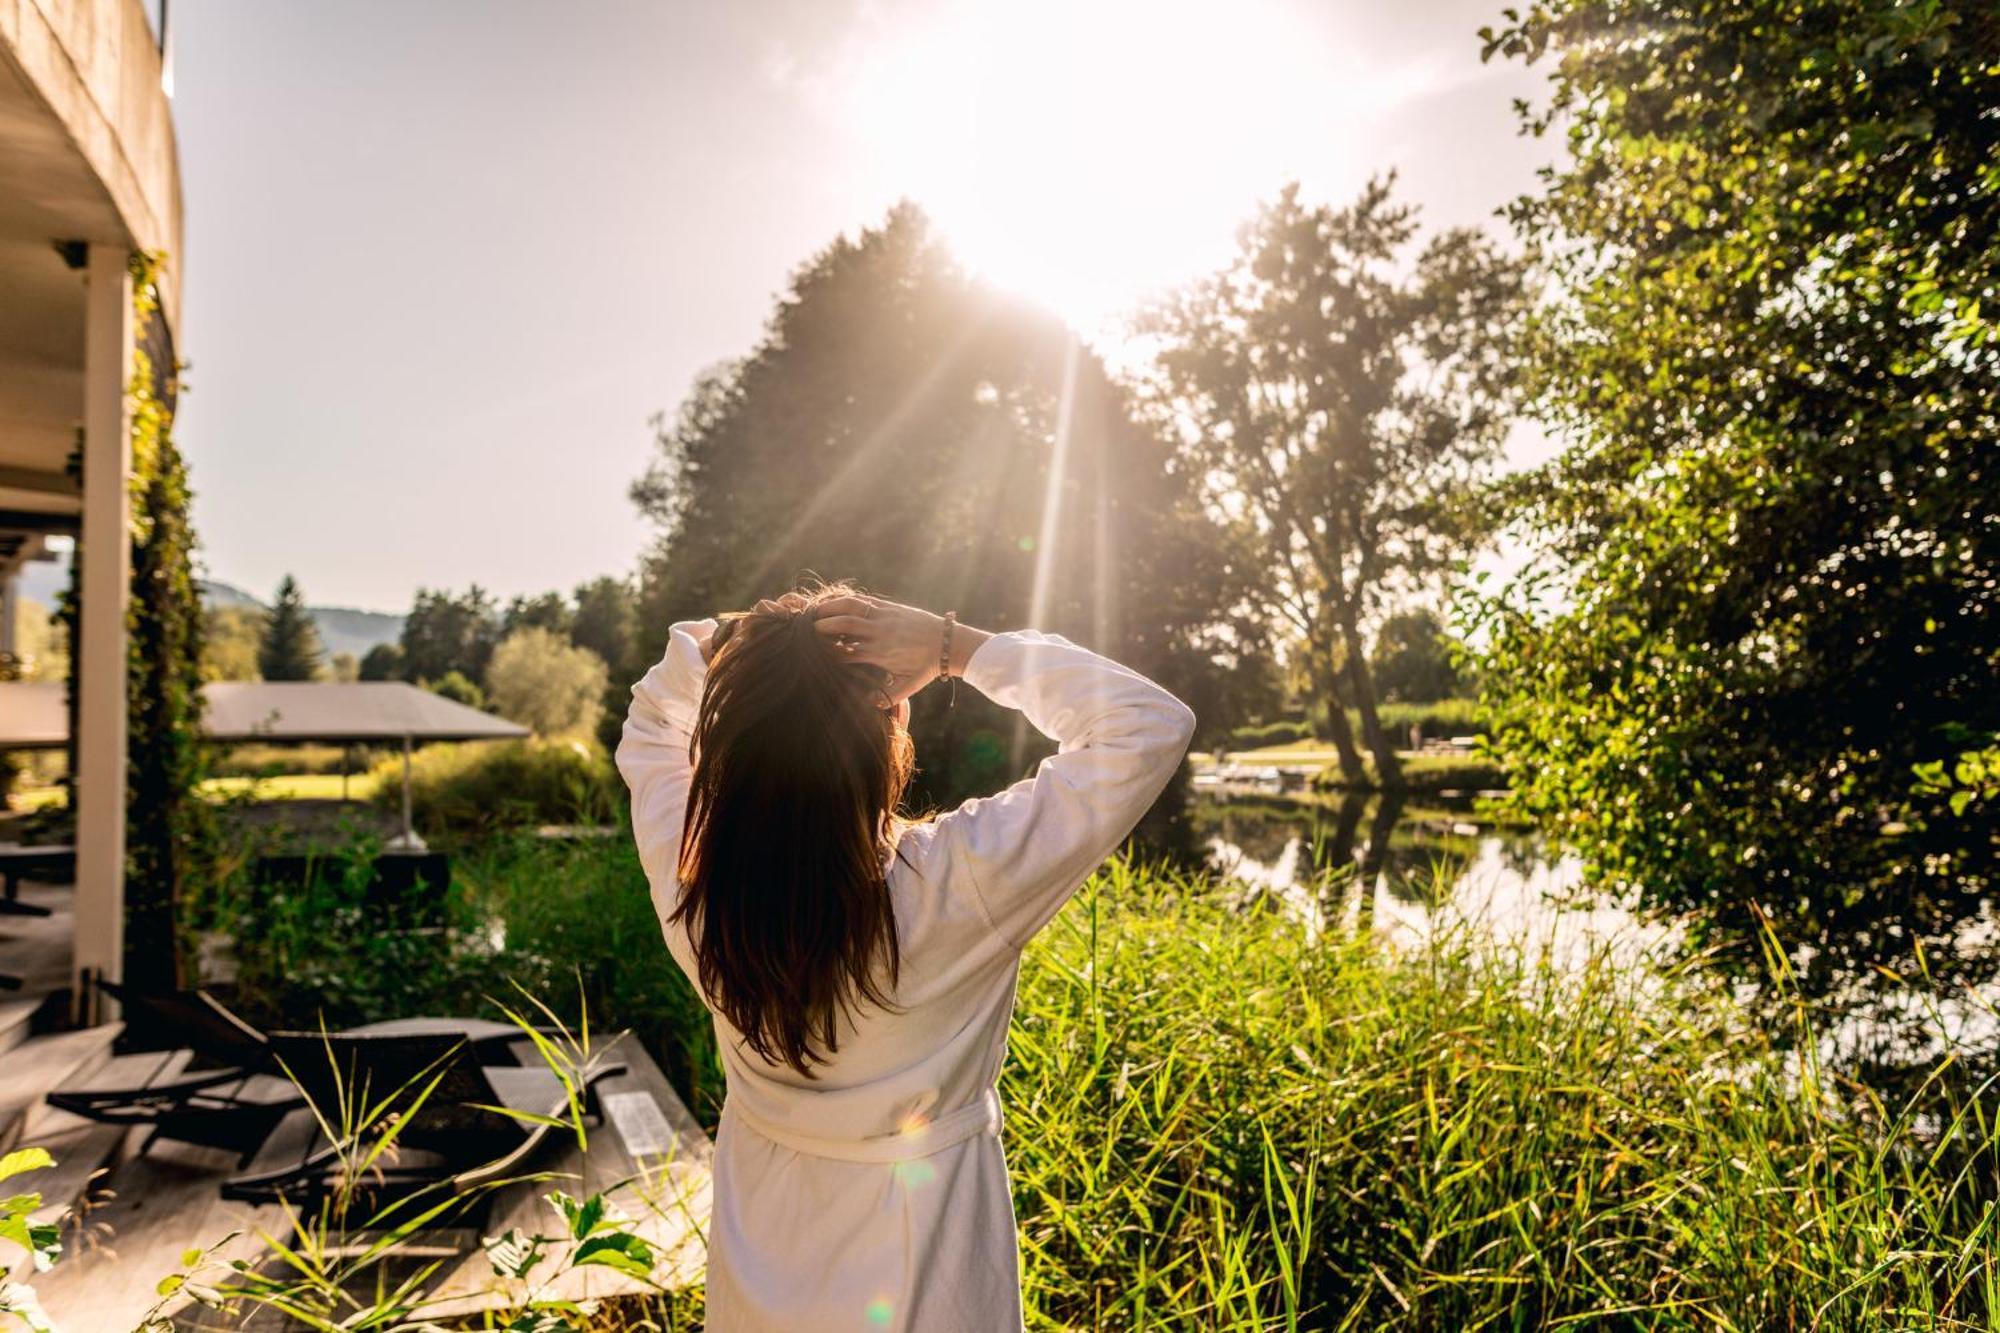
<point x="10" y="612"/>
<point x="104" y="546"/>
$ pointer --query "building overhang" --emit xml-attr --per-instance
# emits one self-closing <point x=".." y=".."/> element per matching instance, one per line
<point x="87" y="155"/>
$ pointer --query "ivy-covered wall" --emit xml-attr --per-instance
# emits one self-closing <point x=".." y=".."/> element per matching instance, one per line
<point x="167" y="824"/>
<point x="168" y="829"/>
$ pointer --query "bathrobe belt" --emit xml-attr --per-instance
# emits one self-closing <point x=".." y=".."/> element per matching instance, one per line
<point x="921" y="1139"/>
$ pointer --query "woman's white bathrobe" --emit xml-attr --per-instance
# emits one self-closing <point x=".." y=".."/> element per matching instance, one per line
<point x="874" y="1196"/>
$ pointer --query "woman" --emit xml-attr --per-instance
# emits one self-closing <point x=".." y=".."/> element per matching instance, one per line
<point x="861" y="967"/>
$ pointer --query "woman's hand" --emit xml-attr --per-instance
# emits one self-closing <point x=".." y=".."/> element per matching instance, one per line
<point x="905" y="641"/>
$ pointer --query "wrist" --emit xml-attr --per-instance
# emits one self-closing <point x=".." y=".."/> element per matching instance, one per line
<point x="965" y="641"/>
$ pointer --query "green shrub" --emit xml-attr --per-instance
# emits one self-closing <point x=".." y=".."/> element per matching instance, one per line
<point x="1431" y="773"/>
<point x="578" y="913"/>
<point x="462" y="790"/>
<point x="1270" y="733"/>
<point x="1439" y="720"/>
<point x="251" y="761"/>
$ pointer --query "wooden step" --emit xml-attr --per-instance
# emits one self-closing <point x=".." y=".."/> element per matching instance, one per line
<point x="15" y="1016"/>
<point x="39" y="1065"/>
<point x="87" y="1153"/>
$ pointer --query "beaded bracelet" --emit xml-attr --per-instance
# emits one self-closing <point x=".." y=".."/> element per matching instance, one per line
<point x="944" y="657"/>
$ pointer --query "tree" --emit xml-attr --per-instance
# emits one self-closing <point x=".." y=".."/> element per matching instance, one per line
<point x="232" y="642"/>
<point x="455" y="686"/>
<point x="382" y="662"/>
<point x="291" y="648"/>
<point x="343" y="666"/>
<point x="604" y="621"/>
<point x="540" y="679"/>
<point x="447" y="632"/>
<point x="1336" y="395"/>
<point x="547" y="611"/>
<point x="1768" y="581"/>
<point x="1412" y="661"/>
<point x="906" y="426"/>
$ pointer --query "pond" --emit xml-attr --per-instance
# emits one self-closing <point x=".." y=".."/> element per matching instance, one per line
<point x="1433" y="864"/>
<point x="1412" y="867"/>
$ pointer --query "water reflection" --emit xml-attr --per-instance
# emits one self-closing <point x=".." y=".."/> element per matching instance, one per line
<point x="1408" y="870"/>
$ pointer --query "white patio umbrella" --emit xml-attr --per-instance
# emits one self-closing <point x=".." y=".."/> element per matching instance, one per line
<point x="367" y="712"/>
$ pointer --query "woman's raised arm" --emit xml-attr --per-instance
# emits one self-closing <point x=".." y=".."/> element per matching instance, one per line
<point x="653" y="753"/>
<point x="1119" y="736"/>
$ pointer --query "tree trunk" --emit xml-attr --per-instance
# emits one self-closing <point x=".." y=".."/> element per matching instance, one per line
<point x="1375" y="858"/>
<point x="1342" y="734"/>
<point x="1388" y="772"/>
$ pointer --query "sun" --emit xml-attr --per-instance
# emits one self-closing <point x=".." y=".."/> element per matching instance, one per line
<point x="1088" y="153"/>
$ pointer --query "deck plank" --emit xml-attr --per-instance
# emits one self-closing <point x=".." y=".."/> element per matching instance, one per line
<point x="152" y="1208"/>
<point x="665" y="1195"/>
<point x="160" y="1204"/>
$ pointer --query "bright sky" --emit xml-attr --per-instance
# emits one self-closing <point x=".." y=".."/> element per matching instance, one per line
<point x="444" y="259"/>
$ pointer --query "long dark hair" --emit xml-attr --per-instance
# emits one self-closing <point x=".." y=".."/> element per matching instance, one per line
<point x="791" y="819"/>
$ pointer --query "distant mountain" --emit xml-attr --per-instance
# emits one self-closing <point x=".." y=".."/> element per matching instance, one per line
<point x="342" y="629"/>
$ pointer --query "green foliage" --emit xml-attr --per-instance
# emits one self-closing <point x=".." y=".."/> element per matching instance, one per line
<point x="382" y="662"/>
<point x="1215" y="1120"/>
<point x="249" y="761"/>
<point x="1770" y="577"/>
<point x="553" y="917"/>
<point x="897" y="426"/>
<point x="1437" y="720"/>
<point x="606" y="621"/>
<point x="462" y="790"/>
<point x="1334" y="389"/>
<point x="319" y="950"/>
<point x="1218" y="1120"/>
<point x="1412" y="660"/>
<point x="1270" y="733"/>
<point x="454" y="686"/>
<point x="168" y="835"/>
<point x="1440" y="719"/>
<point x="291" y="648"/>
<point x="447" y="632"/>
<point x="548" y="611"/>
<point x="232" y="637"/>
<point x="543" y="681"/>
<point x="39" y="1240"/>
<point x="1432" y="773"/>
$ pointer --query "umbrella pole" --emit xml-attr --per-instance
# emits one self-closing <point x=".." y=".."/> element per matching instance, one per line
<point x="409" y="833"/>
<point x="409" y="841"/>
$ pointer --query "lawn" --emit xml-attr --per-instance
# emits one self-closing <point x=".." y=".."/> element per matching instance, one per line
<point x="292" y="787"/>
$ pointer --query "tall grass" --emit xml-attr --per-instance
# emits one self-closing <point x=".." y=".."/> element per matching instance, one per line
<point x="1217" y="1121"/>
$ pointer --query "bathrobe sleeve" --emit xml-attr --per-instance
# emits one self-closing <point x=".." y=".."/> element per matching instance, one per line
<point x="1119" y="737"/>
<point x="653" y="755"/>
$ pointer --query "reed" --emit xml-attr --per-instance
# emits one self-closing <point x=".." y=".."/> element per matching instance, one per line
<point x="1216" y="1120"/>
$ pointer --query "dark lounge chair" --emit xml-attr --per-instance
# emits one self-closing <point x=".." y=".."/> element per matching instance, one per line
<point x="240" y="1095"/>
<point x="18" y="862"/>
<point x="450" y="1114"/>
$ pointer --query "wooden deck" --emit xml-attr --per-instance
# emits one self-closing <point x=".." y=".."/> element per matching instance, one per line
<point x="129" y="1216"/>
<point x="648" y="1154"/>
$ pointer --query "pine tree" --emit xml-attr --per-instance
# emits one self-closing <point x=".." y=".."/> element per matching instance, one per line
<point x="291" y="648"/>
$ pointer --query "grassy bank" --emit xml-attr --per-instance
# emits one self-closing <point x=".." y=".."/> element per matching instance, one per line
<point x="1214" y="1123"/>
